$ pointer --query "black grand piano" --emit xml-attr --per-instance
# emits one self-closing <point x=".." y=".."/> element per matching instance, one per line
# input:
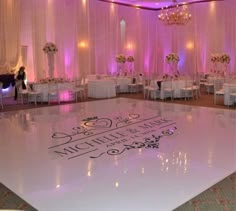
<point x="7" y="80"/>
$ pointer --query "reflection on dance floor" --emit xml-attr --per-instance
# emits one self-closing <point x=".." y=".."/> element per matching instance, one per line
<point x="116" y="154"/>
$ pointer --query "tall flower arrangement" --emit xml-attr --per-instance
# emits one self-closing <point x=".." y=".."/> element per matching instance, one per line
<point x="223" y="59"/>
<point x="130" y="60"/>
<point x="120" y="59"/>
<point x="50" y="49"/>
<point x="172" y="58"/>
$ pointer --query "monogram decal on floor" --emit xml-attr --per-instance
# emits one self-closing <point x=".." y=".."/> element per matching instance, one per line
<point x="152" y="142"/>
<point x="99" y="123"/>
<point x="97" y="137"/>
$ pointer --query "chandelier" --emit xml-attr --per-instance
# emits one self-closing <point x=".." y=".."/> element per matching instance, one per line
<point x="176" y="14"/>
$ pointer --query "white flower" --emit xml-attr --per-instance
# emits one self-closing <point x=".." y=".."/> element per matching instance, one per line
<point x="50" y="47"/>
<point x="223" y="58"/>
<point x="130" y="58"/>
<point x="56" y="80"/>
<point x="215" y="58"/>
<point x="172" y="58"/>
<point x="120" y="58"/>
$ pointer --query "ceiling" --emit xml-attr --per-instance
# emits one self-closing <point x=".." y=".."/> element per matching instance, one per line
<point x="154" y="4"/>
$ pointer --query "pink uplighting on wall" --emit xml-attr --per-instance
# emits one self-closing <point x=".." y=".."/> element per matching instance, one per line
<point x="67" y="63"/>
<point x="147" y="63"/>
<point x="88" y="40"/>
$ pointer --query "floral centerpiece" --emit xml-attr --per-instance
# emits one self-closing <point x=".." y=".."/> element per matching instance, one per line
<point x="225" y="58"/>
<point x="120" y="58"/>
<point x="50" y="47"/>
<point x="215" y="57"/>
<point x="130" y="59"/>
<point x="172" y="58"/>
<point x="222" y="58"/>
<point x="56" y="80"/>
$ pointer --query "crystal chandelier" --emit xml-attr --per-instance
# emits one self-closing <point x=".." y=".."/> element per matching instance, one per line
<point x="176" y="14"/>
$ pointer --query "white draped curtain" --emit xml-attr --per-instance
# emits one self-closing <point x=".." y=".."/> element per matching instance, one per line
<point x="89" y="35"/>
<point x="9" y="35"/>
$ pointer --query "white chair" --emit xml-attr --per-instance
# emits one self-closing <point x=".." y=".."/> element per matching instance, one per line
<point x="209" y="85"/>
<point x="188" y="90"/>
<point x="84" y="85"/>
<point x="167" y="90"/>
<point x="133" y="87"/>
<point x="146" y="84"/>
<point x="117" y="87"/>
<point x="53" y="92"/>
<point x="78" y="90"/>
<point x="233" y="97"/>
<point x="22" y="94"/>
<point x="1" y="95"/>
<point x="34" y="95"/>
<point x="197" y="87"/>
<point x="218" y="89"/>
<point x="232" y="94"/>
<point x="140" y="83"/>
<point x="153" y="90"/>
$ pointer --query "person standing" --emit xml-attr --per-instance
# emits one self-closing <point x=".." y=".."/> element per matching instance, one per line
<point x="20" y="80"/>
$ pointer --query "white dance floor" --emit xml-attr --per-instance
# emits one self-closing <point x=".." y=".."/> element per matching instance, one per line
<point x="116" y="154"/>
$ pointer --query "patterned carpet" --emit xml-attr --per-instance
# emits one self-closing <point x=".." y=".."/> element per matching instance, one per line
<point x="219" y="197"/>
<point x="9" y="200"/>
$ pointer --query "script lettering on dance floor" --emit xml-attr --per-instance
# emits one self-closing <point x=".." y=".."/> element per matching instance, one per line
<point x="103" y="136"/>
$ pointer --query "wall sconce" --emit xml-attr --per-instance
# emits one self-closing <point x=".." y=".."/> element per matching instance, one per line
<point x="83" y="44"/>
<point x="130" y="46"/>
<point x="189" y="45"/>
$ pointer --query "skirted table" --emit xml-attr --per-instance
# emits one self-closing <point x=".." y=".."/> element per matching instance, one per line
<point x="63" y="88"/>
<point x="101" y="88"/>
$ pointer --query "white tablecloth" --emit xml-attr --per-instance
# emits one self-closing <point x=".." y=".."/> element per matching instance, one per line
<point x="123" y="84"/>
<point x="63" y="88"/>
<point x="176" y="86"/>
<point x="101" y="88"/>
<point x="228" y="88"/>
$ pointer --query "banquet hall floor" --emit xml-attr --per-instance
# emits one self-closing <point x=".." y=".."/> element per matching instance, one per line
<point x="116" y="154"/>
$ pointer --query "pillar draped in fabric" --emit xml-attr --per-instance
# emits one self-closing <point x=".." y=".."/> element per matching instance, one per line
<point x="51" y="61"/>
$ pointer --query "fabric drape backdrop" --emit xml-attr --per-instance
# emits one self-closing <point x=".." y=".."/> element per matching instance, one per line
<point x="89" y="35"/>
<point x="9" y="35"/>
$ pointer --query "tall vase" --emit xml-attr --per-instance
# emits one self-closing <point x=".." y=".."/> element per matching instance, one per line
<point x="119" y="68"/>
<point x="173" y="68"/>
<point x="51" y="58"/>
<point x="225" y="69"/>
<point x="130" y="70"/>
<point x="215" y="68"/>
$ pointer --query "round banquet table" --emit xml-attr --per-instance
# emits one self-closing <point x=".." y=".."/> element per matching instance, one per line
<point x="101" y="88"/>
